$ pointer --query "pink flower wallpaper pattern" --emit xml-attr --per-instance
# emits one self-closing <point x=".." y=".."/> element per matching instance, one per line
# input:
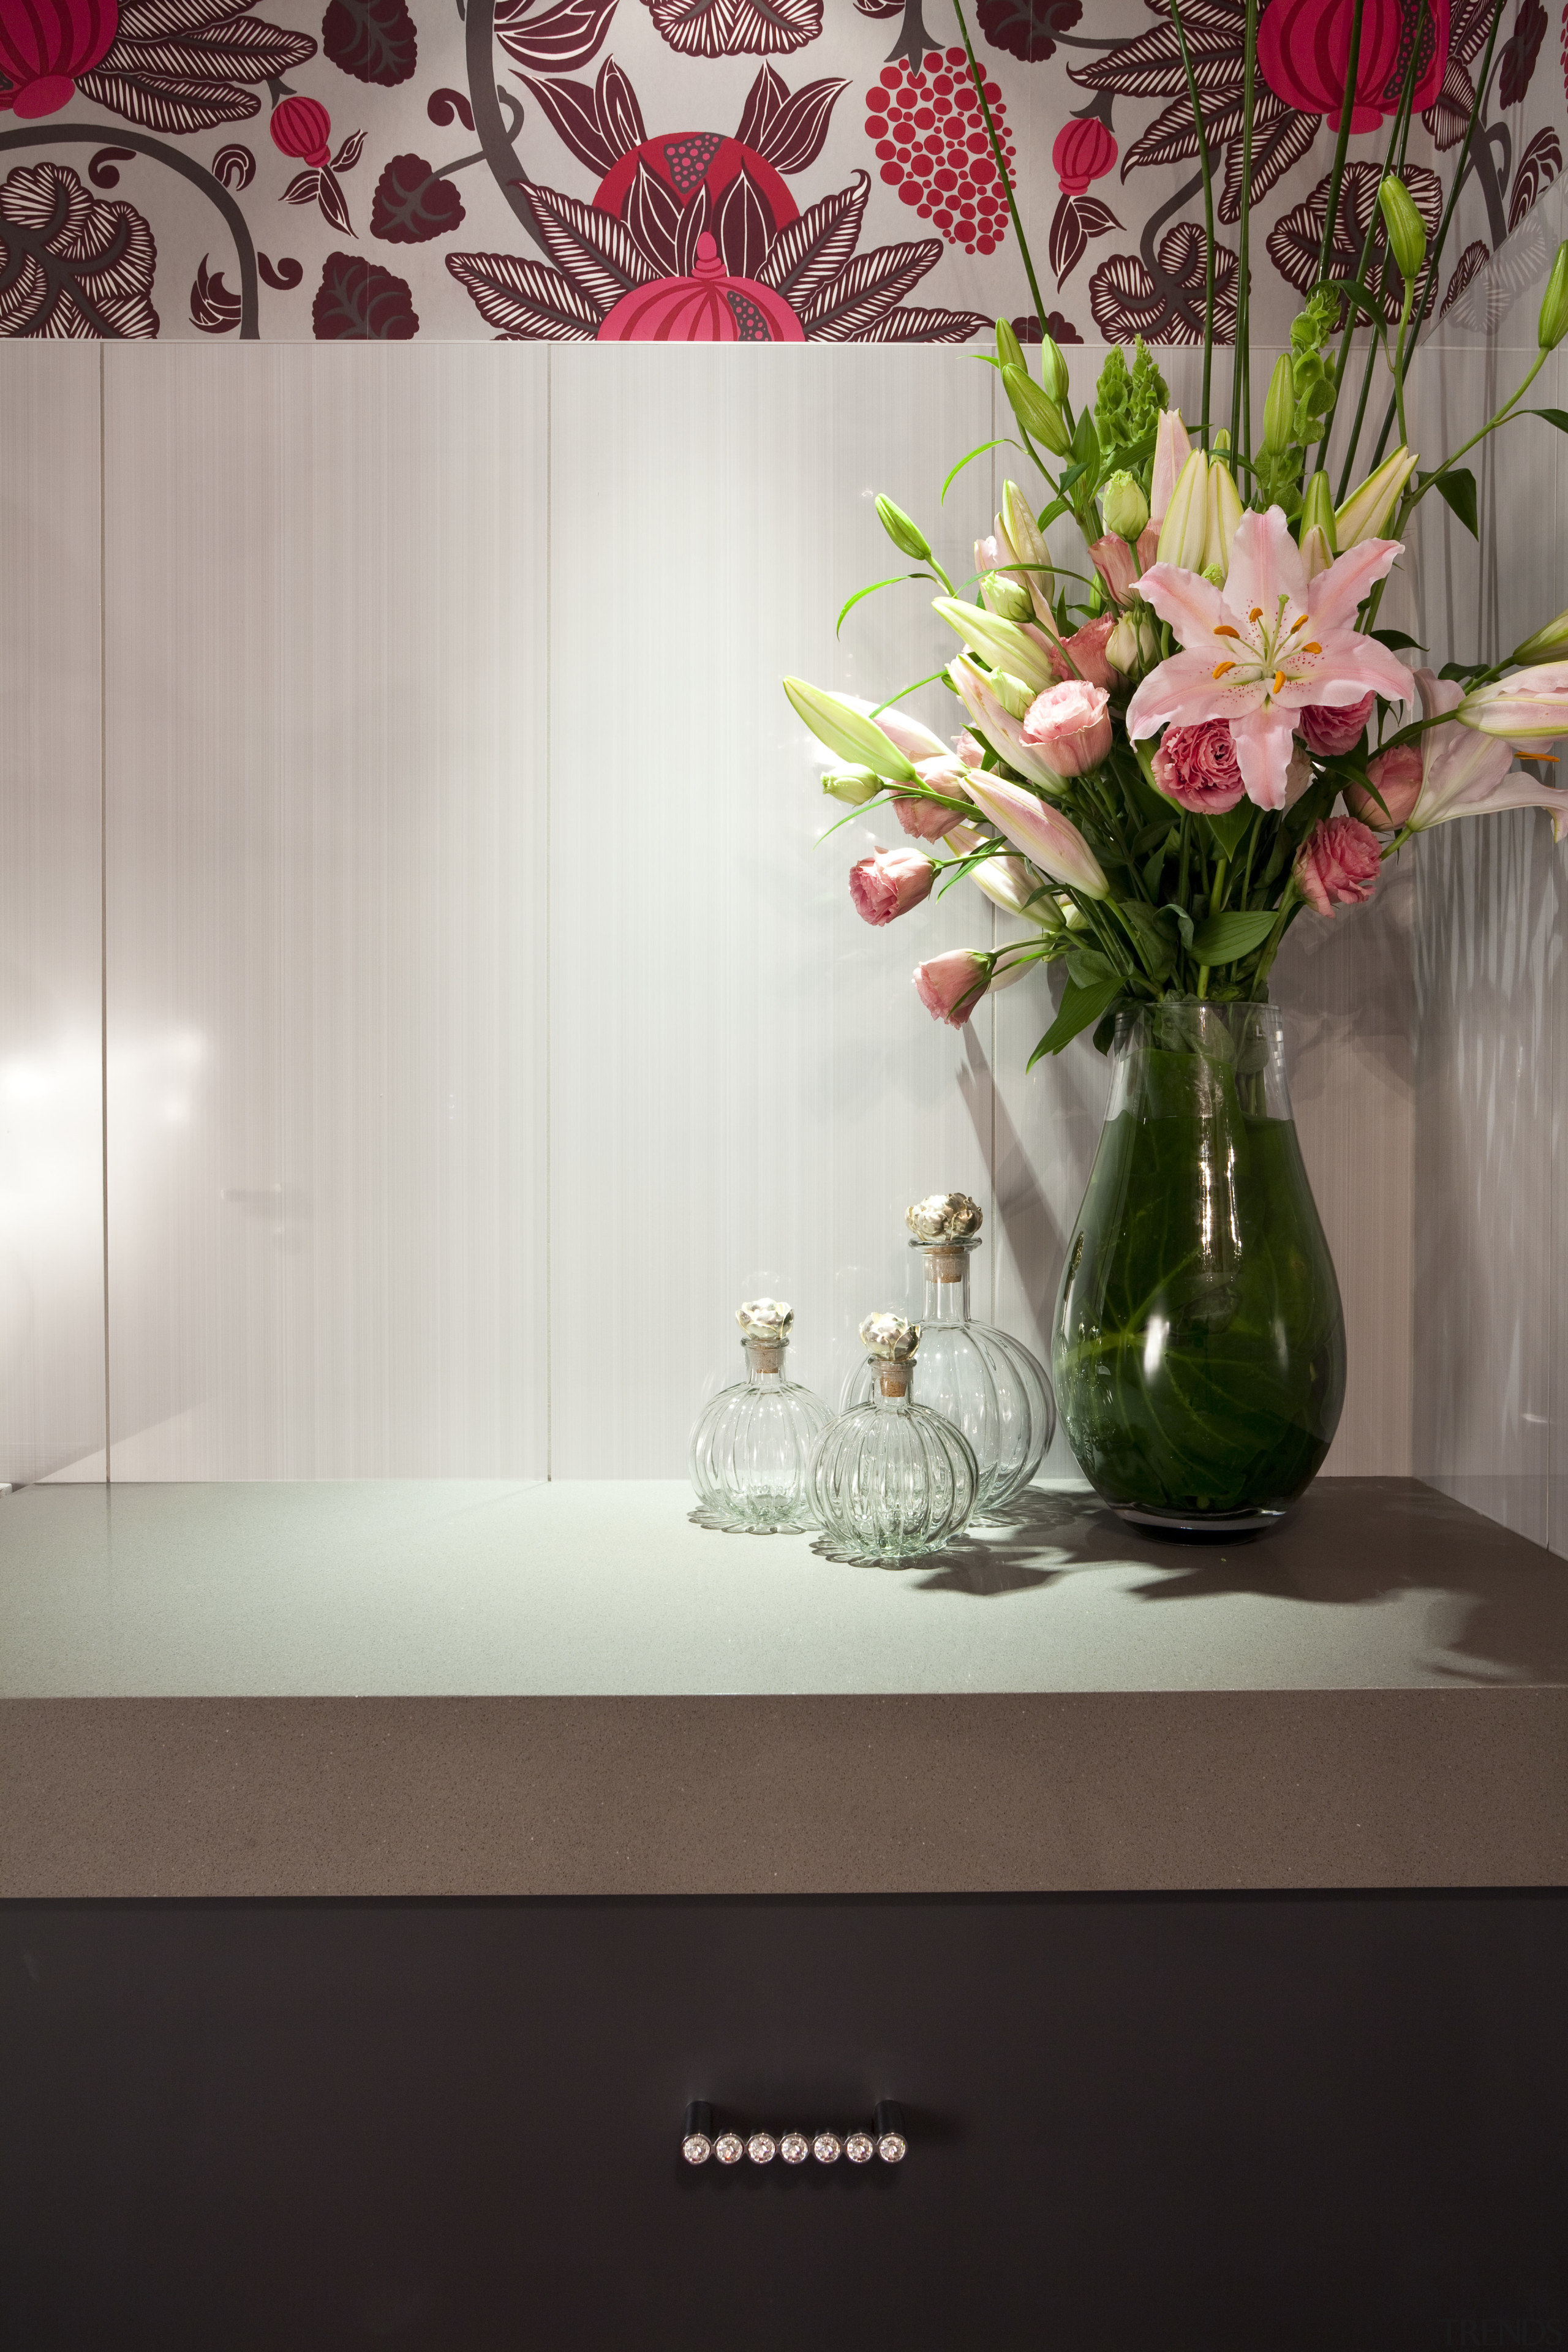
<point x="737" y="171"/>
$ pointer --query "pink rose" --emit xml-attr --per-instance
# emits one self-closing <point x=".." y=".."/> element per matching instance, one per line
<point x="889" y="883"/>
<point x="952" y="985"/>
<point x="968" y="750"/>
<point x="928" y="819"/>
<point x="1115" y="564"/>
<point x="1196" y="768"/>
<point x="1397" y="776"/>
<point x="1086" y="647"/>
<point x="1335" y="726"/>
<point x="1338" y="864"/>
<point x="1149" y="546"/>
<point x="1070" y="726"/>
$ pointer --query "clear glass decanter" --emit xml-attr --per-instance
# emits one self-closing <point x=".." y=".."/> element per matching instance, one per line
<point x="983" y="1380"/>
<point x="750" y="1450"/>
<point x="890" y="1478"/>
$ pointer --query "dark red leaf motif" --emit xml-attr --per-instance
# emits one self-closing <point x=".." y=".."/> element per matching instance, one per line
<point x="1280" y="137"/>
<point x="214" y="309"/>
<point x="178" y="65"/>
<point x="304" y="188"/>
<point x="767" y="94"/>
<point x="652" y="214"/>
<point x="696" y="222"/>
<point x="1517" y="65"/>
<point x="843" y="311"/>
<point x="1078" y="219"/>
<point x="743" y="226"/>
<point x="286" y="275"/>
<point x="70" y="264"/>
<point x="1538" y="167"/>
<point x="234" y="166"/>
<point x="349" y="154"/>
<point x="573" y="112"/>
<point x="732" y="28"/>
<point x="374" y="40"/>
<point x="796" y="135"/>
<point x="446" y="103"/>
<point x="1471" y="262"/>
<point x="1027" y="29"/>
<point x="1448" y="120"/>
<point x="1470" y="23"/>
<point x="559" y="40"/>
<point x="880" y="7"/>
<point x="332" y="201"/>
<point x="595" y="251"/>
<point x="525" y="298"/>
<point x="1059" y="326"/>
<point x="358" y="301"/>
<point x="411" y="205"/>
<point x="101" y="170"/>
<point x="913" y="326"/>
<point x="1127" y="301"/>
<point x="620" y="116"/>
<point x="810" y="252"/>
<point x="1296" y="240"/>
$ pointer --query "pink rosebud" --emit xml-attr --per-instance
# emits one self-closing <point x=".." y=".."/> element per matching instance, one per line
<point x="1196" y="768"/>
<point x="1070" y="726"/>
<point x="952" y="985"/>
<point x="1338" y="864"/>
<point x="1397" y="776"/>
<point x="1086" y="649"/>
<point x="1331" y="727"/>
<point x="928" y="819"/>
<point x="1116" y="563"/>
<point x="889" y="883"/>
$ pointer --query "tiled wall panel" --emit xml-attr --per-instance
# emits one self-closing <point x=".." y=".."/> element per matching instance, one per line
<point x="51" y="1168"/>
<point x="326" y="919"/>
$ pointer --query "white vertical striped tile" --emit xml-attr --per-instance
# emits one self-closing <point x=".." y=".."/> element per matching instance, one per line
<point x="51" y="1163"/>
<point x="326" y="924"/>
<point x="745" y="1091"/>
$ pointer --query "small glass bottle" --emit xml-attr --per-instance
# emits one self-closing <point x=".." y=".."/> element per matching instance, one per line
<point x="983" y="1380"/>
<point x="890" y="1478"/>
<point x="750" y="1450"/>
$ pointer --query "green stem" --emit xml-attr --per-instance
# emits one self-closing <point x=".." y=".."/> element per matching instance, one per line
<point x="1204" y="167"/>
<point x="979" y="80"/>
<point x="1399" y="362"/>
<point x="1241" y="372"/>
<point x="1342" y="142"/>
<point x="1358" y="286"/>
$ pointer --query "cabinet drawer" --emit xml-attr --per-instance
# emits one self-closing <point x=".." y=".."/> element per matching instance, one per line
<point x="1134" y="2122"/>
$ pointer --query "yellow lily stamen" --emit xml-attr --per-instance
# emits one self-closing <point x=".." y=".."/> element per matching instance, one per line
<point x="1278" y="681"/>
<point x="1224" y="630"/>
<point x="1313" y="648"/>
<point x="1255" y="613"/>
<point x="1222" y="668"/>
<point x="1299" y="622"/>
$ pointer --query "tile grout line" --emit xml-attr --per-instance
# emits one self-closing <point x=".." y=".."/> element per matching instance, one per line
<point x="104" y="870"/>
<point x="549" y="895"/>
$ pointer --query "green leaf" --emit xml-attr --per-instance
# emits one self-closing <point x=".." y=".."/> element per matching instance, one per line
<point x="1086" y="446"/>
<point x="891" y="583"/>
<point x="1456" y="489"/>
<point x="1396" y="640"/>
<point x="1081" y="1009"/>
<point x="1558" y="416"/>
<point x="1154" y="868"/>
<point x="1087" y="968"/>
<point x="1159" y="949"/>
<point x="1105" y="1032"/>
<point x="1005" y="441"/>
<point x="1226" y="939"/>
<point x="1054" y="512"/>
<point x="1182" y="920"/>
<point x="1230" y="831"/>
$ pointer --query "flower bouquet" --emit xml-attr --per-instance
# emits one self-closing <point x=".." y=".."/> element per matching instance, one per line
<point x="1177" y="745"/>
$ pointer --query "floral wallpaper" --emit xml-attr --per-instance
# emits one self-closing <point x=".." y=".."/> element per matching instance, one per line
<point x="748" y="170"/>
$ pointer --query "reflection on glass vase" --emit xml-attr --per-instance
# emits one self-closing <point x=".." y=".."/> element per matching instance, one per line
<point x="1199" y="1345"/>
<point x="982" y="1379"/>
<point x="890" y="1478"/>
<point x="750" y="1450"/>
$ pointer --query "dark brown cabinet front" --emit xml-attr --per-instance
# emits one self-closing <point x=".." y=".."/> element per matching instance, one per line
<point x="1134" y="2123"/>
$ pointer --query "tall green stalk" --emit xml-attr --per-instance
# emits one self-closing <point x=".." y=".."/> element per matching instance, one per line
<point x="1342" y="142"/>
<point x="979" y="80"/>
<point x="1358" y="288"/>
<point x="1241" y="373"/>
<point x="1204" y="167"/>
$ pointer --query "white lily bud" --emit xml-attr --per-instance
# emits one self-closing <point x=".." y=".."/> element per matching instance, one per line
<point x="854" y="786"/>
<point x="1004" y="643"/>
<point x="1223" y="512"/>
<point x="1185" y="531"/>
<point x="1367" y="511"/>
<point x="1007" y="597"/>
<point x="1121" y="646"/>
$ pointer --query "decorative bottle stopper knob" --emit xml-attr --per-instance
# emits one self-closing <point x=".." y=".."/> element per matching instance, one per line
<point x="944" y="1217"/>
<point x="765" y="1319"/>
<point x="889" y="1337"/>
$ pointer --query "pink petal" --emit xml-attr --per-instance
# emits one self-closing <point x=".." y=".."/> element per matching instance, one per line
<point x="1193" y="606"/>
<point x="1264" y="565"/>
<point x="1263" y="742"/>
<point x="1183" y="692"/>
<point x="1335" y="597"/>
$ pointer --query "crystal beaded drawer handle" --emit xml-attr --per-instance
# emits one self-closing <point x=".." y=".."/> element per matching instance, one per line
<point x="884" y="2139"/>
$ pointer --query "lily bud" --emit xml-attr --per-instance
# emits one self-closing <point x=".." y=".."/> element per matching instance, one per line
<point x="1123" y="505"/>
<point x="1007" y="597"/>
<point x="1407" y="231"/>
<point x="853" y="736"/>
<point x="1009" y="350"/>
<point x="1122" y="649"/>
<point x="1527" y="710"/>
<point x="1366" y="511"/>
<point x="1279" y="408"/>
<point x="1316" y="553"/>
<point x="1185" y="531"/>
<point x="1171" y="450"/>
<point x="1222" y="514"/>
<point x="1011" y="692"/>
<point x="1553" y="323"/>
<point x="905" y="533"/>
<point x="1053" y="371"/>
<point x="1028" y="541"/>
<point x="1049" y="840"/>
<point x="1037" y="411"/>
<point x="1546" y="645"/>
<point x="853" y="786"/>
<point x="1004" y="643"/>
<point x="1318" y="509"/>
<point x="1148" y="638"/>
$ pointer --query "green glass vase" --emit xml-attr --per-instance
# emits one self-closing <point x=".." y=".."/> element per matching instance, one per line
<point x="1199" y="1348"/>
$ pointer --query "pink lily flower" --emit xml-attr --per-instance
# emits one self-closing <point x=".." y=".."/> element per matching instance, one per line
<point x="1171" y="450"/>
<point x="1048" y="838"/>
<point x="1266" y="647"/>
<point x="907" y="733"/>
<point x="1467" y="774"/>
<point x="1115" y="564"/>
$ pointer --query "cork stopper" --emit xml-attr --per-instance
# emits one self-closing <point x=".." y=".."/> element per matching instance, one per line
<point x="891" y="1342"/>
<point x="766" y="1328"/>
<point x="944" y="1217"/>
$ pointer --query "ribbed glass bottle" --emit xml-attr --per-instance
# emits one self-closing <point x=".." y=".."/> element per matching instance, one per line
<point x="752" y="1446"/>
<point x="890" y="1478"/>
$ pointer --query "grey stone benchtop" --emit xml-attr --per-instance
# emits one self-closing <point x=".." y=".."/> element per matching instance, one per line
<point x="578" y="1688"/>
